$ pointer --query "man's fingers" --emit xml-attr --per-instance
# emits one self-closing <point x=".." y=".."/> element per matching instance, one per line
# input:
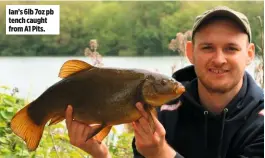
<point x="79" y="131"/>
<point x="141" y="132"/>
<point x="69" y="116"/>
<point x="160" y="130"/>
<point x="137" y="132"/>
<point x="72" y="133"/>
<point x="141" y="110"/>
<point x="149" y="125"/>
<point x="86" y="132"/>
<point x="145" y="125"/>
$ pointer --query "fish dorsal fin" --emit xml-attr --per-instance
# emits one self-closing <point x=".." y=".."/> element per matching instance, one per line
<point x="72" y="66"/>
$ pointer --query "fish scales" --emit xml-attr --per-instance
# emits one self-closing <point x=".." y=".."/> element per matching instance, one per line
<point x="104" y="96"/>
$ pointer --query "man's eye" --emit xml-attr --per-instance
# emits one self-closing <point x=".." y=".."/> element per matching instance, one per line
<point x="206" y="48"/>
<point x="231" y="49"/>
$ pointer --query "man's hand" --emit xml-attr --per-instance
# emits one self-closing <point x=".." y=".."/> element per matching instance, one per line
<point x="78" y="133"/>
<point x="149" y="144"/>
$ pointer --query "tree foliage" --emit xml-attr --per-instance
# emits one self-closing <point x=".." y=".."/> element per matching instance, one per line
<point x="122" y="28"/>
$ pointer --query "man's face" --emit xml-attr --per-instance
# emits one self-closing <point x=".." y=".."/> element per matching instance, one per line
<point x="220" y="54"/>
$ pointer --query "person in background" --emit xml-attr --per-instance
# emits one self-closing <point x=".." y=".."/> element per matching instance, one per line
<point x="221" y="113"/>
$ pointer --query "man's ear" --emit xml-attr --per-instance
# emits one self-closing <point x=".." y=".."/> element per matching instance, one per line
<point x="189" y="51"/>
<point x="251" y="53"/>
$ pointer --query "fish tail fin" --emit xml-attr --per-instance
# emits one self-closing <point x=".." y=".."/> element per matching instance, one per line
<point x="23" y="126"/>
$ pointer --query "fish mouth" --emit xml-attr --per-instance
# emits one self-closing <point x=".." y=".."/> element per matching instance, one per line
<point x="179" y="89"/>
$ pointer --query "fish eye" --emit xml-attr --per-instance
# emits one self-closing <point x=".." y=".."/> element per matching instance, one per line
<point x="163" y="82"/>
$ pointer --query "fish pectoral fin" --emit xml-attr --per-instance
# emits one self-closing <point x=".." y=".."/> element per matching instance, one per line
<point x="56" y="119"/>
<point x="95" y="131"/>
<point x="103" y="133"/>
<point x="72" y="66"/>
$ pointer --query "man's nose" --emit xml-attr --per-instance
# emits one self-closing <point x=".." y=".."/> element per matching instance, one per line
<point x="219" y="58"/>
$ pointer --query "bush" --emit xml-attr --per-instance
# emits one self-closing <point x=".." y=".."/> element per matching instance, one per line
<point x="55" y="140"/>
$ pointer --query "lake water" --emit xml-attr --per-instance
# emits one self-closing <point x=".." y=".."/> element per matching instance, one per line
<point x="33" y="75"/>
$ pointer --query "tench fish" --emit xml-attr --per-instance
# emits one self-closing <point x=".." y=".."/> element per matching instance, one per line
<point x="103" y="96"/>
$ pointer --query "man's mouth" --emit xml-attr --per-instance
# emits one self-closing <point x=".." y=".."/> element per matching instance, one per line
<point x="218" y="71"/>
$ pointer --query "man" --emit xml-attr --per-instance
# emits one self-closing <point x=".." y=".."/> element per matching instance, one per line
<point x="220" y="114"/>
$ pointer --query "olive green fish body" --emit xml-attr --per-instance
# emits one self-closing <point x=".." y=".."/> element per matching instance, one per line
<point x="97" y="95"/>
<point x="105" y="96"/>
